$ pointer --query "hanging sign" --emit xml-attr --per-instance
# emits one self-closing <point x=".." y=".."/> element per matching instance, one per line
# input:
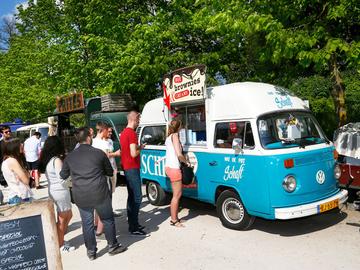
<point x="185" y="84"/>
<point x="70" y="102"/>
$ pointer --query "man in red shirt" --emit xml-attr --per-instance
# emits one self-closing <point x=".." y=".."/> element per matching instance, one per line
<point x="130" y="158"/>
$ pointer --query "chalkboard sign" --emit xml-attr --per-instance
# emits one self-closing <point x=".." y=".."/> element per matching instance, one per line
<point x="22" y="244"/>
<point x="28" y="237"/>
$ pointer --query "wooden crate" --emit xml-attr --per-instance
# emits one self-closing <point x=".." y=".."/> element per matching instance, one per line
<point x="116" y="102"/>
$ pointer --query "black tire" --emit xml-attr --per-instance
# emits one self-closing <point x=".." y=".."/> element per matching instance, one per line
<point x="155" y="194"/>
<point x="232" y="212"/>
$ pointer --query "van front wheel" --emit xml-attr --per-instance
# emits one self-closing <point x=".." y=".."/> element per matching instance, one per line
<point x="155" y="194"/>
<point x="232" y="212"/>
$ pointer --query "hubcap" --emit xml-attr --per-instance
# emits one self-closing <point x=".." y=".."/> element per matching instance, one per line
<point x="233" y="210"/>
<point x="152" y="191"/>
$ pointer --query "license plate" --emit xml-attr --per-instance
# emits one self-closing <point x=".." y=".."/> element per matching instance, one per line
<point x="328" y="206"/>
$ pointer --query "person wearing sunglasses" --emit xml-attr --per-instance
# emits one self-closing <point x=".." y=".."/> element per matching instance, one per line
<point x="5" y="136"/>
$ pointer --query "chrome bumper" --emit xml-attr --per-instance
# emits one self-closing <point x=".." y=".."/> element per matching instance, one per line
<point x="309" y="209"/>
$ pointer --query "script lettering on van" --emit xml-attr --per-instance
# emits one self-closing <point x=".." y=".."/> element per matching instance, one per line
<point x="153" y="164"/>
<point x="282" y="102"/>
<point x="235" y="170"/>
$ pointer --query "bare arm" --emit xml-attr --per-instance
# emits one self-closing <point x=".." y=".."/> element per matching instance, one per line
<point x="177" y="146"/>
<point x="114" y="154"/>
<point x="58" y="165"/>
<point x="21" y="173"/>
<point x="135" y="150"/>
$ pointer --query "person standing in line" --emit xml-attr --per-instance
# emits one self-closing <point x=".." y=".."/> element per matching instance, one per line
<point x="130" y="158"/>
<point x="77" y="141"/>
<point x="112" y="156"/>
<point x="6" y="135"/>
<point x="50" y="163"/>
<point x="15" y="173"/>
<point x="88" y="168"/>
<point x="100" y="142"/>
<point x="32" y="148"/>
<point x="172" y="169"/>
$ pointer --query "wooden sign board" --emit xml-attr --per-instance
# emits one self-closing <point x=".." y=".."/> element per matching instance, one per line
<point x="29" y="237"/>
<point x="70" y="102"/>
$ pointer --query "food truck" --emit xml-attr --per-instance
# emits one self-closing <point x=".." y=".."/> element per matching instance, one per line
<point x="256" y="149"/>
<point x="111" y="109"/>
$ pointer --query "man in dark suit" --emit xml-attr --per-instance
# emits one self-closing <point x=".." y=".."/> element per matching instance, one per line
<point x="88" y="168"/>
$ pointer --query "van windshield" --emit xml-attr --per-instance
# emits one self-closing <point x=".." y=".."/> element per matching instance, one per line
<point x="289" y="129"/>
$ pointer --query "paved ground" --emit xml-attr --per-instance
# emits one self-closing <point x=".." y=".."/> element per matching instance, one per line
<point x="329" y="241"/>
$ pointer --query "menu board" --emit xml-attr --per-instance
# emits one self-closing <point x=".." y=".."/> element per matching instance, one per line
<point x="22" y="244"/>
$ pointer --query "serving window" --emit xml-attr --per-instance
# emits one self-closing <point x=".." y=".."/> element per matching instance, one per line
<point x="194" y="123"/>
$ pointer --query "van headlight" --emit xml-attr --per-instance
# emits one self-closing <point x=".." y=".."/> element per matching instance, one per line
<point x="337" y="172"/>
<point x="289" y="183"/>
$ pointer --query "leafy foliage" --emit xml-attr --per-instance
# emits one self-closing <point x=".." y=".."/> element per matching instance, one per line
<point x="99" y="47"/>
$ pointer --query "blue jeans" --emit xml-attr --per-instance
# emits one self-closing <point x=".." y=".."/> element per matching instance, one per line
<point x="105" y="212"/>
<point x="133" y="184"/>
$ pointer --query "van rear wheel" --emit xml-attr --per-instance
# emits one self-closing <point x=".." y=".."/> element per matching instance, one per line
<point x="232" y="212"/>
<point x="155" y="194"/>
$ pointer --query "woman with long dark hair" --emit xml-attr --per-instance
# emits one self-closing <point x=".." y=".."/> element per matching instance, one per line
<point x="51" y="161"/>
<point x="15" y="173"/>
<point x="172" y="168"/>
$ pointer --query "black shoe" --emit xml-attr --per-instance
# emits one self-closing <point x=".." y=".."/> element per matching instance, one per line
<point x="92" y="257"/>
<point x="39" y="187"/>
<point x="117" y="250"/>
<point x="138" y="232"/>
<point x="141" y="227"/>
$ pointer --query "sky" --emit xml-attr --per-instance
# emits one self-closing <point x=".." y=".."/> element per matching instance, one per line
<point x="8" y="7"/>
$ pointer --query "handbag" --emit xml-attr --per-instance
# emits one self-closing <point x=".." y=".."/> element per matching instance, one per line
<point x="187" y="174"/>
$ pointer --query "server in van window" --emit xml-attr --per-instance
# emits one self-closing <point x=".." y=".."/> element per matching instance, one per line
<point x="130" y="158"/>
<point x="172" y="169"/>
<point x="32" y="148"/>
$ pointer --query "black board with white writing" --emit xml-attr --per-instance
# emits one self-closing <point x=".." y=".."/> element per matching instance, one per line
<point x="22" y="244"/>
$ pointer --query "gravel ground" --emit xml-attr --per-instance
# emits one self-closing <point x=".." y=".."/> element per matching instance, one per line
<point x="328" y="241"/>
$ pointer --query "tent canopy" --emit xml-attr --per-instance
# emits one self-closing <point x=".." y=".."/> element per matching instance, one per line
<point x="347" y="140"/>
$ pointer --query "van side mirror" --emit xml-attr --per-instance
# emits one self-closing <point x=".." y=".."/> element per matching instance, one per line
<point x="237" y="144"/>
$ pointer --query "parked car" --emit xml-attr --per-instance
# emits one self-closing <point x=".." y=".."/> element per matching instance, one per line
<point x="27" y="131"/>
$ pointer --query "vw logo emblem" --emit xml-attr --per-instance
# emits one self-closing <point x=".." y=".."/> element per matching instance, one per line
<point x="320" y="177"/>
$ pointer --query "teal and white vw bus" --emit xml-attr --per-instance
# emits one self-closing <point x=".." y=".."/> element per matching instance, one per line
<point x="257" y="151"/>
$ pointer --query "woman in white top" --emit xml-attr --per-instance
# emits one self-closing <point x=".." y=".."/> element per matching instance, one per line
<point x="15" y="173"/>
<point x="51" y="163"/>
<point x="172" y="168"/>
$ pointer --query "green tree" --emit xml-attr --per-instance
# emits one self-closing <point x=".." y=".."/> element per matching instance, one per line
<point x="321" y="36"/>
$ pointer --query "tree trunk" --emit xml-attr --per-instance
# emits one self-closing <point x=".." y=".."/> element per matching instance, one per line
<point x="338" y="92"/>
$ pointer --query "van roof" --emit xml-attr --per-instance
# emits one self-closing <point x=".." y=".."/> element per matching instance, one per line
<point x="39" y="125"/>
<point x="233" y="101"/>
<point x="250" y="100"/>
